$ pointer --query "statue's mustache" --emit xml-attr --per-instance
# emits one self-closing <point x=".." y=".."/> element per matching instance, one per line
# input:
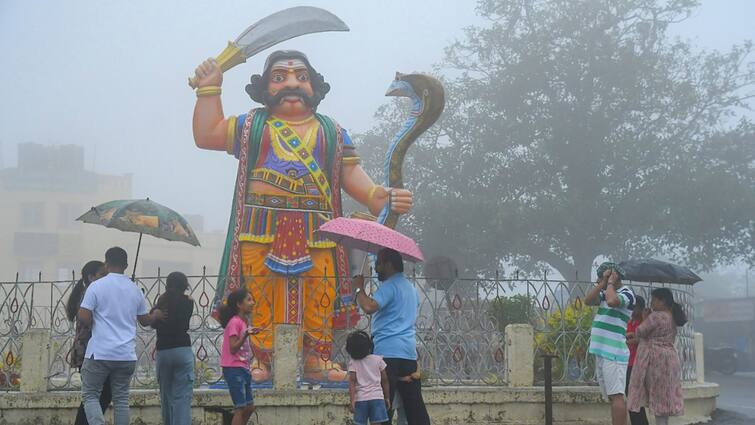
<point x="298" y="92"/>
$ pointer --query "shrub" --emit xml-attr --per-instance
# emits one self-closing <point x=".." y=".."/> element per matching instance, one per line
<point x="566" y="334"/>
<point x="511" y="310"/>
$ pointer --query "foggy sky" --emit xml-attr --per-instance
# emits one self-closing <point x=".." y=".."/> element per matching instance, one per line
<point x="111" y="76"/>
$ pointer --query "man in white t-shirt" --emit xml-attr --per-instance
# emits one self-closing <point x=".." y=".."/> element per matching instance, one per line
<point x="112" y="305"/>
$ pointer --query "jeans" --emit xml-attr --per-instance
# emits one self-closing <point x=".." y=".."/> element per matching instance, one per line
<point x="370" y="412"/>
<point x="105" y="398"/>
<point x="411" y="392"/>
<point x="175" y="373"/>
<point x="94" y="373"/>
<point x="239" y="382"/>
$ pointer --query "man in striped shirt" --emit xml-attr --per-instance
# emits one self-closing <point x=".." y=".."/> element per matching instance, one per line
<point x="608" y="336"/>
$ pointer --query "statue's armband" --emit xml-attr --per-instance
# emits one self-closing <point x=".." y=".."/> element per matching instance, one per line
<point x="230" y="137"/>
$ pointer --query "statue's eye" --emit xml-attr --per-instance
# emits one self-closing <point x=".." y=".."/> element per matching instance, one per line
<point x="278" y="77"/>
<point x="303" y="76"/>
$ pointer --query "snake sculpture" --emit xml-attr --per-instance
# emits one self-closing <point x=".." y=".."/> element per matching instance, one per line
<point x="428" y="99"/>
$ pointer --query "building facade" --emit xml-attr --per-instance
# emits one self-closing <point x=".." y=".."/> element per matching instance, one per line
<point x="40" y="200"/>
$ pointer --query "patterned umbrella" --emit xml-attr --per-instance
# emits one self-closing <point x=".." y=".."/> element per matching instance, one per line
<point x="142" y="216"/>
<point x="370" y="236"/>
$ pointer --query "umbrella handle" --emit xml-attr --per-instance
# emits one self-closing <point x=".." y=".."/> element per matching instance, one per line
<point x="364" y="270"/>
<point x="136" y="260"/>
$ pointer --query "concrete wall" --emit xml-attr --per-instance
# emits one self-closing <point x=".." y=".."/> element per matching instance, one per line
<point x="458" y="405"/>
<point x="518" y="403"/>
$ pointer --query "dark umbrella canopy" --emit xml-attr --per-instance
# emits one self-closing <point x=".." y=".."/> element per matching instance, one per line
<point x="142" y="216"/>
<point x="651" y="270"/>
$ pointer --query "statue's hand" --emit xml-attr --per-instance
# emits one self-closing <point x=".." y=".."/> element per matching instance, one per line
<point x="401" y="200"/>
<point x="208" y="73"/>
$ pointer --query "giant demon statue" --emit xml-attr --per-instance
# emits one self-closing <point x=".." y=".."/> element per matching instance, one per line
<point x="293" y="163"/>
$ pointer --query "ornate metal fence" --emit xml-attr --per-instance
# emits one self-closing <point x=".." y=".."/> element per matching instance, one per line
<point x="562" y="325"/>
<point x="459" y="329"/>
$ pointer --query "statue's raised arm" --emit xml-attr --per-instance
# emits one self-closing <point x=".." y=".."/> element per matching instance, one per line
<point x="209" y="125"/>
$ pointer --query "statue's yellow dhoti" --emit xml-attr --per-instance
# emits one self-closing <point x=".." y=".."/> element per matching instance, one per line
<point x="305" y="299"/>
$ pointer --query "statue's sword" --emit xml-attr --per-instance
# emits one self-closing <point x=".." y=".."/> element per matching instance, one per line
<point x="276" y="28"/>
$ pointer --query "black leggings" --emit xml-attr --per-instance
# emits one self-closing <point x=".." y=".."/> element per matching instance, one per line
<point x="105" y="398"/>
<point x="636" y="418"/>
<point x="411" y="392"/>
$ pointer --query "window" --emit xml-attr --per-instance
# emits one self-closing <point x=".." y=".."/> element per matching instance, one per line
<point x="149" y="267"/>
<point x="65" y="273"/>
<point x="28" y="271"/>
<point x="67" y="215"/>
<point x="32" y="214"/>
<point x="35" y="245"/>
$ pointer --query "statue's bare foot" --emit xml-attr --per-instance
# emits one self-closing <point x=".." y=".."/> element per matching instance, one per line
<point x="320" y="370"/>
<point x="260" y="372"/>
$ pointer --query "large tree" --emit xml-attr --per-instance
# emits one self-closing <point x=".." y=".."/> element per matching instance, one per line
<point x="575" y="129"/>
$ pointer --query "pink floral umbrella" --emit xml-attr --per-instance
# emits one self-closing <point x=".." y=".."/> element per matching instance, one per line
<point x="370" y="236"/>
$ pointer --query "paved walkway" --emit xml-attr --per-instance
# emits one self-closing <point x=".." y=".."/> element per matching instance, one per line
<point x="737" y="393"/>
<point x="725" y="417"/>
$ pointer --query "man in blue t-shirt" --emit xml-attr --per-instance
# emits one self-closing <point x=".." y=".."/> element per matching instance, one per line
<point x="394" y="308"/>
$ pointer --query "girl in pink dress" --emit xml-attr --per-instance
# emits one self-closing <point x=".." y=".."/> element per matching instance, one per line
<point x="656" y="380"/>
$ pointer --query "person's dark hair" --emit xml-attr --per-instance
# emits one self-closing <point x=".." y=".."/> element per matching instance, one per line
<point x="667" y="298"/>
<point x="394" y="258"/>
<point x="175" y="286"/>
<point x="231" y="306"/>
<point x="177" y="282"/>
<point x="257" y="87"/>
<point x="74" y="300"/>
<point x="639" y="302"/>
<point x="639" y="305"/>
<point x="116" y="257"/>
<point x="359" y="345"/>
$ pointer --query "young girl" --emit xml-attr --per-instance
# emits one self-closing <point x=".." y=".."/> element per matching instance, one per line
<point x="656" y="376"/>
<point x="236" y="353"/>
<point x="635" y="418"/>
<point x="368" y="381"/>
<point x="175" y="358"/>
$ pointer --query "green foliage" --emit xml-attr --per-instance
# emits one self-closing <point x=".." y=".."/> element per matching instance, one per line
<point x="204" y="372"/>
<point x="511" y="310"/>
<point x="577" y="129"/>
<point x="10" y="368"/>
<point x="566" y="334"/>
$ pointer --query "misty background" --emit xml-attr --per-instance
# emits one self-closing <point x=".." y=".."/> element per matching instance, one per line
<point x="111" y="76"/>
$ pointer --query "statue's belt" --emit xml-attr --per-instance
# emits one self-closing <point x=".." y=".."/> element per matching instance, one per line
<point x="289" y="202"/>
<point x="300" y="186"/>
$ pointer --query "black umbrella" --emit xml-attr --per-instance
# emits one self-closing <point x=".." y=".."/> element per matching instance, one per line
<point x="651" y="270"/>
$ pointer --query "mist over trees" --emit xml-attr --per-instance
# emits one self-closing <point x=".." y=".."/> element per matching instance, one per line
<point x="575" y="129"/>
